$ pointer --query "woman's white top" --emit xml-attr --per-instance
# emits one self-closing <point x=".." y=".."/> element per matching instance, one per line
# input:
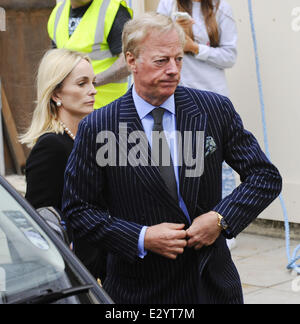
<point x="205" y="71"/>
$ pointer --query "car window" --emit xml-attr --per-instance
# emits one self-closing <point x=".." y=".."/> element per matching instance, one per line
<point x="29" y="261"/>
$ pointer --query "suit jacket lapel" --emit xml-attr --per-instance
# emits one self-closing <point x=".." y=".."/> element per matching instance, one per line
<point x="149" y="175"/>
<point x="191" y="119"/>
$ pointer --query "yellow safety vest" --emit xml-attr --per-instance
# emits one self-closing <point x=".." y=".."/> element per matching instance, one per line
<point x="90" y="37"/>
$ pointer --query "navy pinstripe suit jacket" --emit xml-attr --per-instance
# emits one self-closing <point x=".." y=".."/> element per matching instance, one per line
<point x="110" y="205"/>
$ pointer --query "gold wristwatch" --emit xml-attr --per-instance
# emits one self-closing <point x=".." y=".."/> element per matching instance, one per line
<point x="221" y="222"/>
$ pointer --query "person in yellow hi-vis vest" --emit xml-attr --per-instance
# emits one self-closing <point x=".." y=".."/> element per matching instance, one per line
<point x="95" y="27"/>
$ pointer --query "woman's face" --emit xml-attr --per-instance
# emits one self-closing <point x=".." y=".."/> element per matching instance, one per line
<point x="77" y="93"/>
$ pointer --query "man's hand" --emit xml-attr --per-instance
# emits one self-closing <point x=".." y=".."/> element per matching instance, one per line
<point x="166" y="239"/>
<point x="204" y="231"/>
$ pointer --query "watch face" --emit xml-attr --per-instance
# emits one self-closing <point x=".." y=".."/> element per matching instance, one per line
<point x="224" y="224"/>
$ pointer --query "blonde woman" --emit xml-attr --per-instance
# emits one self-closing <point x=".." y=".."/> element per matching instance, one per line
<point x="65" y="95"/>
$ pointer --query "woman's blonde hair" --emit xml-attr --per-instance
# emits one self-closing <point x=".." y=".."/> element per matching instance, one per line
<point x="54" y="68"/>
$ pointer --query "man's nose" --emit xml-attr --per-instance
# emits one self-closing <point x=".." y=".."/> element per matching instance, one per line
<point x="172" y="67"/>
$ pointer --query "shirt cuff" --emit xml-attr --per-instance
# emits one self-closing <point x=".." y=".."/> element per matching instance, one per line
<point x="141" y="247"/>
<point x="203" y="52"/>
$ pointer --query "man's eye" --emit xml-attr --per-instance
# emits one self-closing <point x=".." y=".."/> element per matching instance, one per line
<point x="161" y="62"/>
<point x="81" y="84"/>
<point x="179" y="59"/>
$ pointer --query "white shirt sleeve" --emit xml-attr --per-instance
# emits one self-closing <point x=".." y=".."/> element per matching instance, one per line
<point x="225" y="55"/>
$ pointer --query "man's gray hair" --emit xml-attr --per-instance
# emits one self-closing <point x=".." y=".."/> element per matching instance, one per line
<point x="137" y="29"/>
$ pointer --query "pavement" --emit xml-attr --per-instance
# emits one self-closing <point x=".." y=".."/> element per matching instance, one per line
<point x="261" y="261"/>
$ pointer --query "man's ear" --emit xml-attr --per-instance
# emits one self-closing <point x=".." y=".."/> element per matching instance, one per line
<point x="131" y="62"/>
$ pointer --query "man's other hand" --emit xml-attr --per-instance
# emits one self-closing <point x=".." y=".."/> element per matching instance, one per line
<point x="166" y="239"/>
<point x="204" y="231"/>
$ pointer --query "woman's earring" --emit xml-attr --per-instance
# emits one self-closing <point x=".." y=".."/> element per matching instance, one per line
<point x="58" y="104"/>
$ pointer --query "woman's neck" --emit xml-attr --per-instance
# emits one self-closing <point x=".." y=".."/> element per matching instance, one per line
<point x="70" y="121"/>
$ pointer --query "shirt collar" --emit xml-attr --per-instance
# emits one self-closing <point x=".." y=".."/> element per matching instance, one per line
<point x="144" y="108"/>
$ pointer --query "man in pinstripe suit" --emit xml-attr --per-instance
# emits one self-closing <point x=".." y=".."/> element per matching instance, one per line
<point x="165" y="229"/>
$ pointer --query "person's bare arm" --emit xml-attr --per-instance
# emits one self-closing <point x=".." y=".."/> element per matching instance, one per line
<point x="117" y="72"/>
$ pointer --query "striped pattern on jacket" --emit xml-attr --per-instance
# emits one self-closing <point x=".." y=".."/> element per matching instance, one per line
<point x="110" y="205"/>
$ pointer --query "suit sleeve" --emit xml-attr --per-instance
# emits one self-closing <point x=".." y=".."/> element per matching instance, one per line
<point x="261" y="181"/>
<point x="84" y="203"/>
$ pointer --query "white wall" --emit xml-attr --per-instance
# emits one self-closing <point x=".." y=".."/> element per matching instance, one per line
<point x="278" y="38"/>
<point x="151" y="5"/>
<point x="138" y="6"/>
